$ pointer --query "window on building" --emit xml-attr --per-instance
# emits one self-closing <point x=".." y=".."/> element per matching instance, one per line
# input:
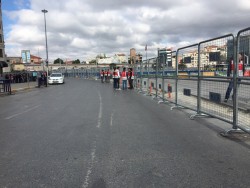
<point x="1" y="40"/>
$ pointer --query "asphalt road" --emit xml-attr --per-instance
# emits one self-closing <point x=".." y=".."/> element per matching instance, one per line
<point x="85" y="134"/>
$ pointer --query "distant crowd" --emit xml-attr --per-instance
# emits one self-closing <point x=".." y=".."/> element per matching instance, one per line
<point x="19" y="77"/>
<point x="125" y="78"/>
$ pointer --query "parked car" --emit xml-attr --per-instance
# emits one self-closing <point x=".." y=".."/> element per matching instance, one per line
<point x="56" y="78"/>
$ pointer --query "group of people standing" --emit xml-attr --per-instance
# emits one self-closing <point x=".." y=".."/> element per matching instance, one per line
<point x="105" y="76"/>
<point x="126" y="78"/>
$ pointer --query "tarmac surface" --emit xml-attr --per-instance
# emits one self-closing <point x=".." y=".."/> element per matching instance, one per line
<point x="23" y="86"/>
<point x="85" y="134"/>
<point x="19" y="87"/>
<point x="239" y="135"/>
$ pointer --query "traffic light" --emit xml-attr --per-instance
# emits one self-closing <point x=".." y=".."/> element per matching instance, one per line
<point x="129" y="61"/>
<point x="140" y="58"/>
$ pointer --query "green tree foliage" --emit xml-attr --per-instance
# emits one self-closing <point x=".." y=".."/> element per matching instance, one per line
<point x="92" y="62"/>
<point x="58" y="61"/>
<point x="76" y="61"/>
<point x="101" y="56"/>
<point x="112" y="66"/>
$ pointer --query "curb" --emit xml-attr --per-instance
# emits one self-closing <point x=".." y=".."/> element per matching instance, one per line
<point x="13" y="91"/>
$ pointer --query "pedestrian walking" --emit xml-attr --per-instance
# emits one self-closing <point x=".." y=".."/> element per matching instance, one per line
<point x="230" y="71"/>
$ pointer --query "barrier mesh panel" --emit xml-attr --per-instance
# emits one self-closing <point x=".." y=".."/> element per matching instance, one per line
<point x="212" y="99"/>
<point x="187" y="93"/>
<point x="243" y="85"/>
<point x="244" y="103"/>
<point x="187" y="59"/>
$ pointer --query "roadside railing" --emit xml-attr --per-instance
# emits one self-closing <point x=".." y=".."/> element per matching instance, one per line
<point x="203" y="91"/>
<point x="5" y="86"/>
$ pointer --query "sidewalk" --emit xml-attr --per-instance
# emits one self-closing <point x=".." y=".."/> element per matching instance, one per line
<point x="22" y="86"/>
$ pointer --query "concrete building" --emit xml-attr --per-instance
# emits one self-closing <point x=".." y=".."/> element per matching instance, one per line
<point x="121" y="58"/>
<point x="132" y="56"/>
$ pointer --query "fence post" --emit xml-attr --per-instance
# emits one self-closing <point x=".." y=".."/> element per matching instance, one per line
<point x="235" y="77"/>
<point x="199" y="82"/>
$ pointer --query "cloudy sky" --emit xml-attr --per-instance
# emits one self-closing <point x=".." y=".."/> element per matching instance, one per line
<point x="82" y="29"/>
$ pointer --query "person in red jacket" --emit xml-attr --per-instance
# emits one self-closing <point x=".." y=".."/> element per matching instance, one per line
<point x="124" y="79"/>
<point x="102" y="73"/>
<point x="108" y="76"/>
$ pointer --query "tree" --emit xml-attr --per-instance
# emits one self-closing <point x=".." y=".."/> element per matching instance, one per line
<point x="58" y="61"/>
<point x="101" y="56"/>
<point x="111" y="66"/>
<point x="92" y="62"/>
<point x="76" y="61"/>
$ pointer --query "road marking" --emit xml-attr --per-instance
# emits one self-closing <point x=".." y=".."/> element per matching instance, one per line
<point x="91" y="164"/>
<point x="93" y="149"/>
<point x="100" y="112"/>
<point x="25" y="111"/>
<point x="111" y="119"/>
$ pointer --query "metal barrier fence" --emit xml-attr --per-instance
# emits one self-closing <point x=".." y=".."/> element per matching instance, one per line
<point x="200" y="89"/>
<point x="204" y="91"/>
<point x="241" y="89"/>
<point x="90" y="73"/>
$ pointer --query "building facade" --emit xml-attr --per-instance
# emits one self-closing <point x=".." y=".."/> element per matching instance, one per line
<point x="2" y="46"/>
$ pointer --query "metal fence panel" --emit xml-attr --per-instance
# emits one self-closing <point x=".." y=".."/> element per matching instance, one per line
<point x="212" y="80"/>
<point x="187" y="93"/>
<point x="186" y="85"/>
<point x="242" y="100"/>
<point x="212" y="96"/>
<point x="244" y="103"/>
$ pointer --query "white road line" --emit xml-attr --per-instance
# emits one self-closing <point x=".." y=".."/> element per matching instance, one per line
<point x="91" y="164"/>
<point x="100" y="112"/>
<point x="93" y="150"/>
<point x="25" y="111"/>
<point x="111" y="119"/>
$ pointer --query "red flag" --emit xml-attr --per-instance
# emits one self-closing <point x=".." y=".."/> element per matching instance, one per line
<point x="146" y="47"/>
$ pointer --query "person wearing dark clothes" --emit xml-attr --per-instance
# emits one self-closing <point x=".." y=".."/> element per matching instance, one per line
<point x="102" y="75"/>
<point x="131" y="78"/>
<point x="230" y="71"/>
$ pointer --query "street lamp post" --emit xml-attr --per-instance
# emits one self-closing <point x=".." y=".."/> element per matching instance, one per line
<point x="47" y="56"/>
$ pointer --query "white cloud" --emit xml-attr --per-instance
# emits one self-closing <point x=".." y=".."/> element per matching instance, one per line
<point x="244" y="4"/>
<point x="79" y="29"/>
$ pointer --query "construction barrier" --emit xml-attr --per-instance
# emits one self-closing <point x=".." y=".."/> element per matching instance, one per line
<point x="202" y="90"/>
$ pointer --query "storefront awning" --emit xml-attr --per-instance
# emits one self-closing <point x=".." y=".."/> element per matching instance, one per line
<point x="3" y="64"/>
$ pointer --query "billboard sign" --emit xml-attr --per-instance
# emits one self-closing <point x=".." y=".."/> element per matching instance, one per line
<point x="25" y="56"/>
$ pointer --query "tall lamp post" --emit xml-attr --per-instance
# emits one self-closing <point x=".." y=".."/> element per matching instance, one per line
<point x="47" y="56"/>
